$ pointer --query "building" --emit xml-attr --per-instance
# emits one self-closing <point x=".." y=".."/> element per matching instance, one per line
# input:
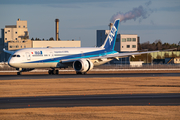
<point x="19" y="44"/>
<point x="16" y="36"/>
<point x="16" y="33"/>
<point x="40" y="44"/>
<point x="126" y="42"/>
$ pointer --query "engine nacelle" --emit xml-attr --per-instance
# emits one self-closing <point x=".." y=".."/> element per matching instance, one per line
<point x="82" y="65"/>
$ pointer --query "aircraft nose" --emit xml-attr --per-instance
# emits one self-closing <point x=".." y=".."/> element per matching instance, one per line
<point x="11" y="62"/>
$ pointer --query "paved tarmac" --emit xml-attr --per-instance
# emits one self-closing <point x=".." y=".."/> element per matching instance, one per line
<point x="92" y="100"/>
<point x="101" y="75"/>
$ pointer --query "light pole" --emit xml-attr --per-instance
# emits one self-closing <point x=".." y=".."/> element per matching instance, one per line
<point x="178" y="45"/>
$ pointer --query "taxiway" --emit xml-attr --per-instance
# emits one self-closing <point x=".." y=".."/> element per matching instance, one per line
<point x="92" y="100"/>
<point x="98" y="75"/>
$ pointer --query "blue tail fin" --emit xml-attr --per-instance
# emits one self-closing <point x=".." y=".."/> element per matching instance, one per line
<point x="111" y="38"/>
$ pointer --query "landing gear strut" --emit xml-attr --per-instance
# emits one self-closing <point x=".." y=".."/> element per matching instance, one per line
<point x="53" y="72"/>
<point x="18" y="73"/>
<point x="23" y="70"/>
<point x="20" y="70"/>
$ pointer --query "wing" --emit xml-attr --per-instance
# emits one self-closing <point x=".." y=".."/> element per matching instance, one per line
<point x="10" y="52"/>
<point x="113" y="56"/>
<point x="120" y="55"/>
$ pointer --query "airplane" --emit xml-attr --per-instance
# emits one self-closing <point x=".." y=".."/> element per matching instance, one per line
<point x="81" y="59"/>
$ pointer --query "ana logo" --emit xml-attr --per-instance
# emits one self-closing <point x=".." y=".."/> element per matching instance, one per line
<point x="112" y="34"/>
<point x="38" y="52"/>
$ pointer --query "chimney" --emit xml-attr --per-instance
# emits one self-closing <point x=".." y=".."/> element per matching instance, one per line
<point x="110" y="25"/>
<point x="57" y="29"/>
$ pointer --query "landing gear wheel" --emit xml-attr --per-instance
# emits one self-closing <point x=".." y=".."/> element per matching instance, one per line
<point x="53" y="72"/>
<point x="80" y="73"/>
<point x="57" y="72"/>
<point x="18" y="73"/>
<point x="50" y="72"/>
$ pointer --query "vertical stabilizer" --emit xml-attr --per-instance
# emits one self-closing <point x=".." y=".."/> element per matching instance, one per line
<point x="111" y="38"/>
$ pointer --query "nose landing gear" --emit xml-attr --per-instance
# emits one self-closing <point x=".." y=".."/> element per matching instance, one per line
<point x="20" y="70"/>
<point x="18" y="73"/>
<point x="23" y="70"/>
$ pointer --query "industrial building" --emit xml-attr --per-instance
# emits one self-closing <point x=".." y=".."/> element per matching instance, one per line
<point x="41" y="44"/>
<point x="14" y="37"/>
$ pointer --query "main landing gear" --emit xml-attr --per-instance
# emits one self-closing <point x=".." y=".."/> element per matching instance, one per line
<point x="80" y="73"/>
<point x="53" y="72"/>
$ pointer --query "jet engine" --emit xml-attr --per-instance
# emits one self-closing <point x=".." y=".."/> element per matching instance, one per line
<point x="82" y="65"/>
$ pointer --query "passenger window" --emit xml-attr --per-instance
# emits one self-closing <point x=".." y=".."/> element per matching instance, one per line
<point x="18" y="55"/>
<point x="13" y="55"/>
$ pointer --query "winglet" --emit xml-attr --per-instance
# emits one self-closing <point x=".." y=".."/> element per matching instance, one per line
<point x="10" y="52"/>
<point x="111" y="38"/>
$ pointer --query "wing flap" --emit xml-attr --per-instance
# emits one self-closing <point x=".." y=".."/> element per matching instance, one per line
<point x="121" y="55"/>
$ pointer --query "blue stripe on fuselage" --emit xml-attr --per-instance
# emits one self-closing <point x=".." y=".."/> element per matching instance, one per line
<point x="76" y="56"/>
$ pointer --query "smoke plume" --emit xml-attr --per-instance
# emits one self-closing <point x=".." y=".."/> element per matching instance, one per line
<point x="136" y="13"/>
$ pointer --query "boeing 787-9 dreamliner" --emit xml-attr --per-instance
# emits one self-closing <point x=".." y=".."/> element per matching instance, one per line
<point x="81" y="59"/>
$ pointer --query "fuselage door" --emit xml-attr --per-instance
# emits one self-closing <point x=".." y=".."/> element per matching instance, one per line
<point x="51" y="55"/>
<point x="28" y="56"/>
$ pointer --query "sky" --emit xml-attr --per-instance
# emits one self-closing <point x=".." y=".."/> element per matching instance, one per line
<point x="79" y="19"/>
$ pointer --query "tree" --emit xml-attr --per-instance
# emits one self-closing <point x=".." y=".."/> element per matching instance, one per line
<point x="51" y="38"/>
<point x="32" y="38"/>
<point x="158" y="44"/>
<point x="166" y="46"/>
<point x="173" y="55"/>
<point x="178" y="48"/>
<point x="166" y="55"/>
<point x="37" y="39"/>
<point x="158" y="57"/>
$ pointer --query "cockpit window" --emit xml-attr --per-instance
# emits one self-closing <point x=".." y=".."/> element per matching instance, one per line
<point x="16" y="56"/>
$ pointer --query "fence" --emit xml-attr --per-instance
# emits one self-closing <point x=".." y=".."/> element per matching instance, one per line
<point x="6" y="67"/>
<point x="144" y="66"/>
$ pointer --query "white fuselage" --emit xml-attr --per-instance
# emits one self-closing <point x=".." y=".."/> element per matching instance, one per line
<point x="51" y="57"/>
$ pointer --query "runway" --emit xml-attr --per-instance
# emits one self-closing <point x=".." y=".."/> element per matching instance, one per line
<point x="99" y="75"/>
<point x="92" y="100"/>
